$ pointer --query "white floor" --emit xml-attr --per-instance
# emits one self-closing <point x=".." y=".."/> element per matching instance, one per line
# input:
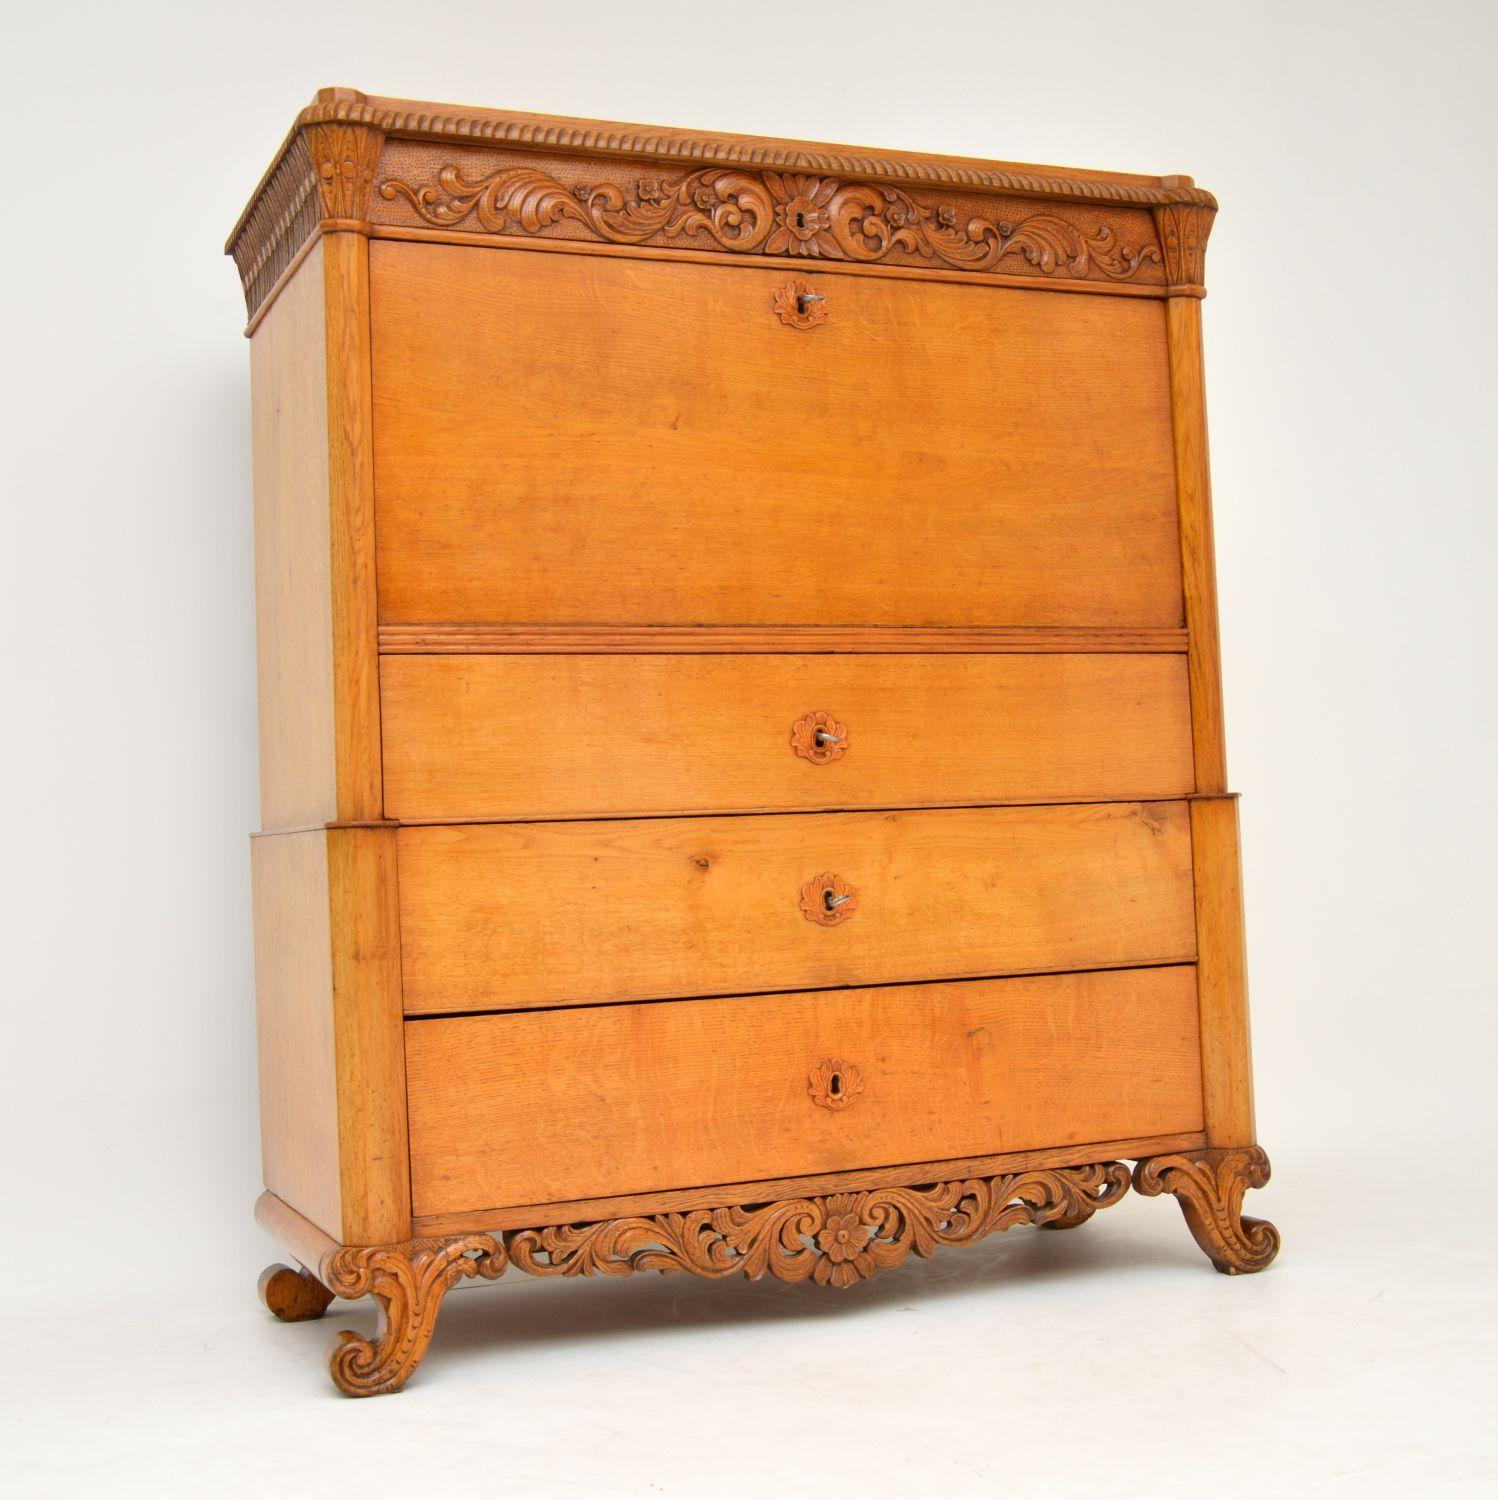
<point x="1110" y="1361"/>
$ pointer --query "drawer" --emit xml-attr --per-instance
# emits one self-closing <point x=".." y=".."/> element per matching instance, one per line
<point x="595" y="736"/>
<point x="586" y="439"/>
<point x="509" y="916"/>
<point x="561" y="1104"/>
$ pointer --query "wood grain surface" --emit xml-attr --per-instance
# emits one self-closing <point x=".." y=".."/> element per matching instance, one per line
<point x="572" y="439"/>
<point x="1227" y="1061"/>
<point x="351" y="524"/>
<point x="299" y="1125"/>
<point x="769" y="1189"/>
<point x="332" y="1058"/>
<point x="598" y="736"/>
<point x="795" y="640"/>
<point x="618" y="1099"/>
<point x="503" y="916"/>
<point x="293" y="556"/>
<point x="1198" y="548"/>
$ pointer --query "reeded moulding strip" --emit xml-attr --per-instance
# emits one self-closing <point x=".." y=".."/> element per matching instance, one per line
<point x="572" y="640"/>
<point x="419" y="120"/>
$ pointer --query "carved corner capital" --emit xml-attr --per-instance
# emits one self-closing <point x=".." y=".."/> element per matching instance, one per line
<point x="322" y="179"/>
<point x="1209" y="1185"/>
<point x="344" y="159"/>
<point x="1183" y="229"/>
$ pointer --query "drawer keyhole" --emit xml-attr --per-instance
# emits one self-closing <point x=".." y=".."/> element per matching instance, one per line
<point x="828" y="900"/>
<point x="819" y="737"/>
<point x="834" y="1084"/>
<point x="796" y="304"/>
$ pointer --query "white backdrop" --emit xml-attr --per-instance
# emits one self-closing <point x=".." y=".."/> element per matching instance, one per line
<point x="1351" y="377"/>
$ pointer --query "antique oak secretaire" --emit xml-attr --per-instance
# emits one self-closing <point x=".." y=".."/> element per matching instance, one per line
<point x="743" y="785"/>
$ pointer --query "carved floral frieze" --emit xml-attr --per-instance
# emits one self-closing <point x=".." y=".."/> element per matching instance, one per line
<point x="797" y="215"/>
<point x="835" y="1240"/>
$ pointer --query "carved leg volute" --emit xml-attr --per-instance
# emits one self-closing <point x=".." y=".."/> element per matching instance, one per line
<point x="292" y="1294"/>
<point x="1209" y="1185"/>
<point x="408" y="1283"/>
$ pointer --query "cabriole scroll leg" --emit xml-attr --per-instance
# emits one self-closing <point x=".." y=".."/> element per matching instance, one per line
<point x="1209" y="1185"/>
<point x="408" y="1283"/>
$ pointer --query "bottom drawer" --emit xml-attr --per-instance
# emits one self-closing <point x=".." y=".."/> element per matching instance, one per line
<point x="542" y="1106"/>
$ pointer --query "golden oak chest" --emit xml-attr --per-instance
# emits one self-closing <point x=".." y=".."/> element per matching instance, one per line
<point x="742" y="769"/>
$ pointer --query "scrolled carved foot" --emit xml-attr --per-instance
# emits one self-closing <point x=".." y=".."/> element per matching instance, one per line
<point x="292" y="1294"/>
<point x="1209" y="1185"/>
<point x="408" y="1282"/>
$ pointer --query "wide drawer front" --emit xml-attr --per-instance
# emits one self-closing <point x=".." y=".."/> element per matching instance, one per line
<point x="582" y="439"/>
<point x="562" y="1104"/>
<point x="509" y="916"/>
<point x="584" y="736"/>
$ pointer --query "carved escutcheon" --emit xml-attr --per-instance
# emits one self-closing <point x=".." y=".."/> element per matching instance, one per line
<point x="828" y="900"/>
<point x="834" y="1084"/>
<point x="798" y="306"/>
<point x="818" y="737"/>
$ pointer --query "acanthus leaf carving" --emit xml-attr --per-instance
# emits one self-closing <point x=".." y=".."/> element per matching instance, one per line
<point x="1209" y="1185"/>
<point x="1183" y="229"/>
<point x="772" y="213"/>
<point x="344" y="160"/>
<point x="408" y="1283"/>
<point x="834" y="1240"/>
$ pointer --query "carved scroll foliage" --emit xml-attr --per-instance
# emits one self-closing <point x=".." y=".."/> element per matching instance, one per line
<point x="408" y="1282"/>
<point x="1209" y="1185"/>
<point x="771" y="213"/>
<point x="835" y="1240"/>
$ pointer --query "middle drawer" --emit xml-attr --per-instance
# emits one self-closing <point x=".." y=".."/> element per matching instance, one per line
<point x="475" y="737"/>
<point x="513" y="916"/>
